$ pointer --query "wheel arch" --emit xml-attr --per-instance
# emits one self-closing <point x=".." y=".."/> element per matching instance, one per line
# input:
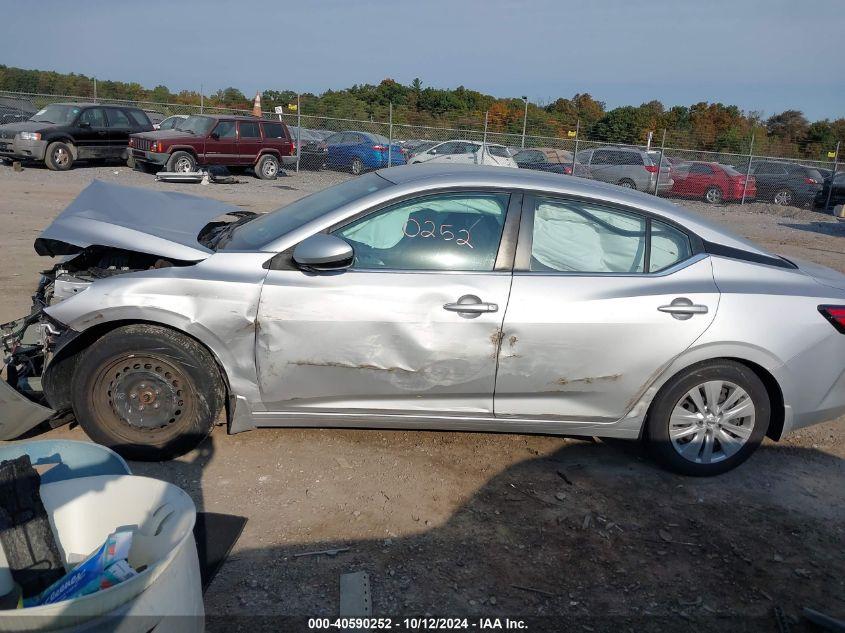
<point x="265" y="151"/>
<point x="760" y="366"/>
<point x="58" y="373"/>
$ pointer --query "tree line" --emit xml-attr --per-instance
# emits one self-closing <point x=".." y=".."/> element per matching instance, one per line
<point x="701" y="126"/>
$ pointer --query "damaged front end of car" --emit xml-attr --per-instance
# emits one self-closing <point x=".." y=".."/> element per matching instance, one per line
<point x="107" y="231"/>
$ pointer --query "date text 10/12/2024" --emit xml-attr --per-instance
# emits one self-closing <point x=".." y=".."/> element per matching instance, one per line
<point x="418" y="624"/>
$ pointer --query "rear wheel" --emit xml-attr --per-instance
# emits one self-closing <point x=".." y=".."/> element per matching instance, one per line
<point x="181" y="162"/>
<point x="59" y="156"/>
<point x="357" y="167"/>
<point x="783" y="197"/>
<point x="267" y="167"/>
<point x="708" y="419"/>
<point x="148" y="392"/>
<point x="713" y="195"/>
<point x="628" y="184"/>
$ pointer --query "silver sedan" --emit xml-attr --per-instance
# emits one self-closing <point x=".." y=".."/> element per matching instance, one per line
<point x="425" y="297"/>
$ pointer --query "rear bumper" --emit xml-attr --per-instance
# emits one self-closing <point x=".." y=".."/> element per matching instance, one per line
<point x="19" y="149"/>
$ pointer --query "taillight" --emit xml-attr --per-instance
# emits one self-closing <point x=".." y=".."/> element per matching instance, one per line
<point x="403" y="151"/>
<point x="811" y="181"/>
<point x="836" y="316"/>
<point x="380" y="148"/>
<point x="567" y="170"/>
<point x="652" y="169"/>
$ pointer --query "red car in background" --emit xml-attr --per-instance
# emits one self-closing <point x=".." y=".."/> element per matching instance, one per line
<point x="712" y="182"/>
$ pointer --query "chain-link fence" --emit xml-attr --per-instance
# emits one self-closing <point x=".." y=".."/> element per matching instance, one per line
<point x="669" y="163"/>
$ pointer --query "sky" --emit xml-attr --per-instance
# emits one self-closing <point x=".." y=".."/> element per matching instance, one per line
<point x="762" y="55"/>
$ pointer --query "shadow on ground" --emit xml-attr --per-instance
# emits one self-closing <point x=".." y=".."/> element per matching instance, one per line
<point x="592" y="537"/>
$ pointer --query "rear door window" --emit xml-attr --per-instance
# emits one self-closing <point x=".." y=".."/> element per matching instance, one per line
<point x="117" y="118"/>
<point x="249" y="130"/>
<point x="139" y="118"/>
<point x="95" y="117"/>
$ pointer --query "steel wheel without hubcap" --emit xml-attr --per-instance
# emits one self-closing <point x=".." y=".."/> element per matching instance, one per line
<point x="783" y="197"/>
<point x="711" y="422"/>
<point x="143" y="392"/>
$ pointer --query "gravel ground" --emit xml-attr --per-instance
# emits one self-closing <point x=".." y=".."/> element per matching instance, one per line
<point x="583" y="532"/>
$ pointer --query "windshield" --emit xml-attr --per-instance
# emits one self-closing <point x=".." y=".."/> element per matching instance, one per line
<point x="199" y="125"/>
<point x="56" y="114"/>
<point x="498" y="150"/>
<point x="273" y="225"/>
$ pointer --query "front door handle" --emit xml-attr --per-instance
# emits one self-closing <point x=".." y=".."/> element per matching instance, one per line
<point x="682" y="308"/>
<point x="470" y="306"/>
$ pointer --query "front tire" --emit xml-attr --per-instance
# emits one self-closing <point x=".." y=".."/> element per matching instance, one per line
<point x="708" y="419"/>
<point x="267" y="167"/>
<point x="181" y="162"/>
<point x="148" y="392"/>
<point x="59" y="156"/>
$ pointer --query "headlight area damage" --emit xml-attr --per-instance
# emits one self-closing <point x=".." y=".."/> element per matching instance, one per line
<point x="108" y="230"/>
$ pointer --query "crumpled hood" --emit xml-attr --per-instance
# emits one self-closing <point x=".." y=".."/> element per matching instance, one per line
<point x="159" y="223"/>
<point x="9" y="130"/>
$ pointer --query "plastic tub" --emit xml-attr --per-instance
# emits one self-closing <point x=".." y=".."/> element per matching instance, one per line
<point x="72" y="458"/>
<point x="166" y="596"/>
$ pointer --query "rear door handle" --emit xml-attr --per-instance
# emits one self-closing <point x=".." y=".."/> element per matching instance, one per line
<point x="682" y="308"/>
<point x="470" y="306"/>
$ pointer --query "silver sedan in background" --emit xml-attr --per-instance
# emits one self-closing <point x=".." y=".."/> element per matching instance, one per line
<point x="426" y="297"/>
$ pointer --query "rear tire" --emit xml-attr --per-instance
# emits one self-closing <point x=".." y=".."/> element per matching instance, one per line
<point x="680" y="426"/>
<point x="148" y="392"/>
<point x="267" y="167"/>
<point x="627" y="183"/>
<point x="357" y="167"/>
<point x="59" y="156"/>
<point x="713" y="195"/>
<point x="783" y="197"/>
<point x="181" y="162"/>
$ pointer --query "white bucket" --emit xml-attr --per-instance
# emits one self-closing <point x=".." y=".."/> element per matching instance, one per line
<point x="167" y="595"/>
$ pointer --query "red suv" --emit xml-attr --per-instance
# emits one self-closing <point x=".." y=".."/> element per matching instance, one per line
<point x="217" y="140"/>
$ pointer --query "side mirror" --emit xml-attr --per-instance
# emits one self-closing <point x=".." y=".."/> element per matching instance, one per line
<point x="84" y="124"/>
<point x="432" y="151"/>
<point x="323" y="253"/>
<point x="215" y="136"/>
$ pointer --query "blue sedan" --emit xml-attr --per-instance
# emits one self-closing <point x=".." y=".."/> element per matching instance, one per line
<point x="360" y="151"/>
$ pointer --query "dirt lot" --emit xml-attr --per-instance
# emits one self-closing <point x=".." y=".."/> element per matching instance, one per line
<point x="579" y="534"/>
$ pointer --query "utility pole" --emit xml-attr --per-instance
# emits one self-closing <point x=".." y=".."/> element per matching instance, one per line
<point x="524" y="120"/>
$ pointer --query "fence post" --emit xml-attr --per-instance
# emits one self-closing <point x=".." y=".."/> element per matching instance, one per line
<point x="95" y="90"/>
<point x="660" y="163"/>
<point x="298" y="132"/>
<point x="575" y="153"/>
<point x="389" y="134"/>
<point x="524" y="121"/>
<point x="748" y="170"/>
<point x="484" y="139"/>
<point x="832" y="176"/>
<point x="202" y="100"/>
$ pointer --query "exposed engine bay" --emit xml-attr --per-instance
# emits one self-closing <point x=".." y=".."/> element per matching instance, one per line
<point x="28" y="343"/>
<point x="108" y="230"/>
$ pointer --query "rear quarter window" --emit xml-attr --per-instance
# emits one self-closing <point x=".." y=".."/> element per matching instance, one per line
<point x="275" y="130"/>
<point x="139" y="118"/>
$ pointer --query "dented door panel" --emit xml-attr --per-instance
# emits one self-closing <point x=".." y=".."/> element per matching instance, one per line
<point x="378" y="340"/>
<point x="584" y="347"/>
